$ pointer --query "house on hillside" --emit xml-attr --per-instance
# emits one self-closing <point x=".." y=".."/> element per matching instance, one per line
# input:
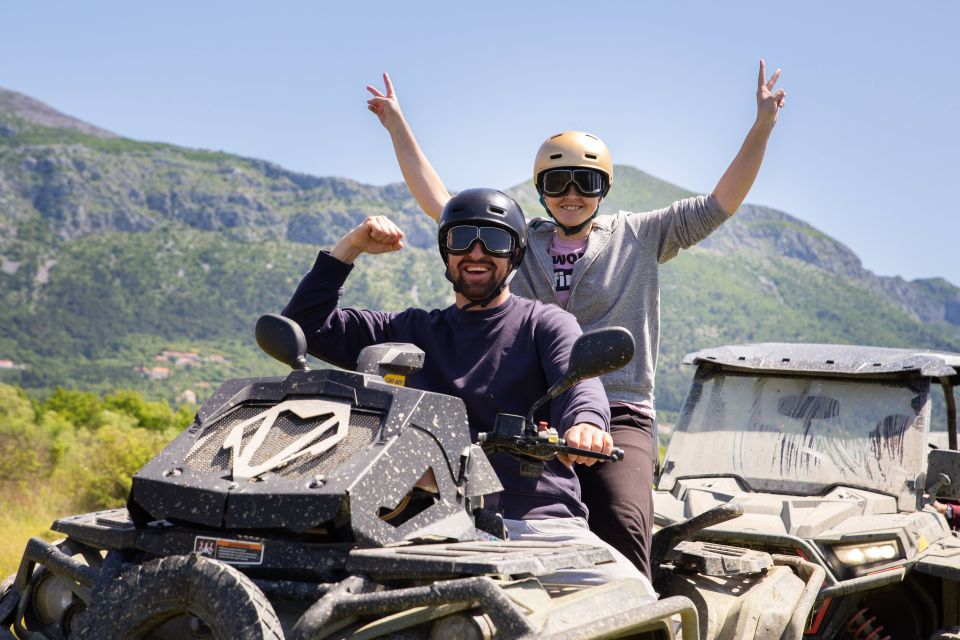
<point x="188" y="358"/>
<point x="179" y="358"/>
<point x="154" y="373"/>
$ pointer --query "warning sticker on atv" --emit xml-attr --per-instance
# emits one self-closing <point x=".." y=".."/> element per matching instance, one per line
<point x="229" y="551"/>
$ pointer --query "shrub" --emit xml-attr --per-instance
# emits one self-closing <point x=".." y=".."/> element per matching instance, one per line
<point x="154" y="416"/>
<point x="25" y="449"/>
<point x="82" y="408"/>
<point x="102" y="462"/>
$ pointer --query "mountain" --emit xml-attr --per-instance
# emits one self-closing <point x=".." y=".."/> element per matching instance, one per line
<point x="145" y="265"/>
<point x="19" y="110"/>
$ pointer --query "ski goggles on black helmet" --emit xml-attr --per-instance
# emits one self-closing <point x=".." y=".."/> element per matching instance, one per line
<point x="493" y="240"/>
<point x="590" y="183"/>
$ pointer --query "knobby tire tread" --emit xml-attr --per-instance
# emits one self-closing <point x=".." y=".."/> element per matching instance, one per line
<point x="144" y="595"/>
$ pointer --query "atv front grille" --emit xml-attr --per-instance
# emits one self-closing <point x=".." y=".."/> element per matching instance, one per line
<point x="363" y="431"/>
<point x="286" y="430"/>
<point x="210" y="454"/>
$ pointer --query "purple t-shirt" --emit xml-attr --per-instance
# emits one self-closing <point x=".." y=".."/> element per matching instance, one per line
<point x="498" y="360"/>
<point x="565" y="253"/>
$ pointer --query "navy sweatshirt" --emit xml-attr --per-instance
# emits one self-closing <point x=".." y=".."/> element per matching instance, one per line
<point x="498" y="360"/>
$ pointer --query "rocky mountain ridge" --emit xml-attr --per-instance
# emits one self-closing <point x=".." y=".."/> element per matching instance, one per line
<point x="17" y="106"/>
<point x="777" y="234"/>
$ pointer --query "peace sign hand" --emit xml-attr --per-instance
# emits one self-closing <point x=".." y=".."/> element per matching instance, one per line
<point x="769" y="102"/>
<point x="385" y="107"/>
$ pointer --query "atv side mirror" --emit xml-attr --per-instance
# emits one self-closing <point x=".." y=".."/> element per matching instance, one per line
<point x="595" y="353"/>
<point x="943" y="462"/>
<point x="667" y="537"/>
<point x="283" y="339"/>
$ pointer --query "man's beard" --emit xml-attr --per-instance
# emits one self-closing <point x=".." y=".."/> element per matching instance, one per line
<point x="476" y="290"/>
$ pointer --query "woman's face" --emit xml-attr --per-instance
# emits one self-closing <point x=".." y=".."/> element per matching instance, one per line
<point x="571" y="208"/>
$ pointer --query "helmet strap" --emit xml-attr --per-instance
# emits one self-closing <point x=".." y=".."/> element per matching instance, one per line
<point x="569" y="231"/>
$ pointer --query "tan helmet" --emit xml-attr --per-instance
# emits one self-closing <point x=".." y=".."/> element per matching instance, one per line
<point x="573" y="149"/>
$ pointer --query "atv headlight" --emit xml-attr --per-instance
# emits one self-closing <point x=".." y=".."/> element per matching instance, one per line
<point x="51" y="597"/>
<point x="854" y="555"/>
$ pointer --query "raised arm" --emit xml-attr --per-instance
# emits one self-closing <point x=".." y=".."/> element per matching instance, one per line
<point x="418" y="173"/>
<point x="739" y="176"/>
<point x="335" y="334"/>
<point x="375" y="235"/>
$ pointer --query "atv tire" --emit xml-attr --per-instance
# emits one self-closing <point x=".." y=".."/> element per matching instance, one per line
<point x="143" y="596"/>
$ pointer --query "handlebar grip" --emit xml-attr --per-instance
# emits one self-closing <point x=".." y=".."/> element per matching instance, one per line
<point x="616" y="455"/>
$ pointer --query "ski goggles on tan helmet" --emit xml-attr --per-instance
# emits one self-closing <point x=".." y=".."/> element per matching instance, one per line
<point x="495" y="241"/>
<point x="589" y="183"/>
<point x="572" y="150"/>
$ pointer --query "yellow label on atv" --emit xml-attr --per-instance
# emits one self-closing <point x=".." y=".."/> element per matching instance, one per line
<point x="395" y="378"/>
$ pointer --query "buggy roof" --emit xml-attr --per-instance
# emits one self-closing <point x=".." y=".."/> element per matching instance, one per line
<point x="837" y="359"/>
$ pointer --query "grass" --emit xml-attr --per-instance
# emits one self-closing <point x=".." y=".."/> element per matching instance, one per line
<point x="26" y="514"/>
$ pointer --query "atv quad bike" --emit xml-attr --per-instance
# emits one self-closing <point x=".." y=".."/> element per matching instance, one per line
<point x="332" y="504"/>
<point x="825" y="447"/>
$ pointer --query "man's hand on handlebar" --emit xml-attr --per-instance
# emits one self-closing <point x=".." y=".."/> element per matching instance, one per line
<point x="586" y="436"/>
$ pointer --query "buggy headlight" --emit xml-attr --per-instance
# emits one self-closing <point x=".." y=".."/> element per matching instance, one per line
<point x="854" y="555"/>
<point x="51" y="597"/>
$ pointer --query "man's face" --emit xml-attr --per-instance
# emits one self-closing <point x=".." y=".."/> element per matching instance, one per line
<point x="571" y="208"/>
<point x="477" y="273"/>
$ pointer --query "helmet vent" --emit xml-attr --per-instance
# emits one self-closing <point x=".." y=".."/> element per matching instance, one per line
<point x="556" y="156"/>
<point x="591" y="136"/>
<point x="458" y="207"/>
<point x="590" y="156"/>
<point x="496" y="210"/>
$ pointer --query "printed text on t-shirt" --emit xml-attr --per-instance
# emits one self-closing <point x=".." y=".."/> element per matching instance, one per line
<point x="563" y="269"/>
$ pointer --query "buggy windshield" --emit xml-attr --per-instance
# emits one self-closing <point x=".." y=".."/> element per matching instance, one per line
<point x="802" y="434"/>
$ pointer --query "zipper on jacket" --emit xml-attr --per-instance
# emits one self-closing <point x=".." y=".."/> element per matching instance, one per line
<point x="551" y="281"/>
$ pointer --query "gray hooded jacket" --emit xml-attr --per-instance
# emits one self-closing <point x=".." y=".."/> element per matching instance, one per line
<point x="617" y="281"/>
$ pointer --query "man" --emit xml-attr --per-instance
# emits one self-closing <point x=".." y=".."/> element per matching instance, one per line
<point x="605" y="271"/>
<point x="495" y="351"/>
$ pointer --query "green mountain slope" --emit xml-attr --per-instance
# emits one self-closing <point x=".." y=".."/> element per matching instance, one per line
<point x="143" y="265"/>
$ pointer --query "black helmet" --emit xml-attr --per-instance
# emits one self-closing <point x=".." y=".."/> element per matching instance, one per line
<point x="485" y="208"/>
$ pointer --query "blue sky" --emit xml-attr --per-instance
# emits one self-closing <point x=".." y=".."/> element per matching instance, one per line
<point x="865" y="150"/>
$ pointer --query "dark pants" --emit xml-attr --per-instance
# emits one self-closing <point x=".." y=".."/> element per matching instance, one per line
<point x="619" y="494"/>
